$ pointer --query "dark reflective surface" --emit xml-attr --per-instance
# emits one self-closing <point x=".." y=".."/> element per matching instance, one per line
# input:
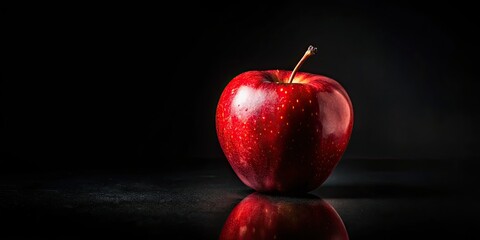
<point x="260" y="216"/>
<point x="374" y="199"/>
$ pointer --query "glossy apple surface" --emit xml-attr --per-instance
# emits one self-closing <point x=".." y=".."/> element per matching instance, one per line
<point x="280" y="136"/>
<point x="261" y="216"/>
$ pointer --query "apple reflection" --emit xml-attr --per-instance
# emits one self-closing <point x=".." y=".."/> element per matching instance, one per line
<point x="260" y="216"/>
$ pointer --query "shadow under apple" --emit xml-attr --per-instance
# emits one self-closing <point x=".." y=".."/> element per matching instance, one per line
<point x="260" y="216"/>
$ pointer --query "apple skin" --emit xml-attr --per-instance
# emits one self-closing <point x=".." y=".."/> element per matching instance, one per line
<point x="260" y="216"/>
<point x="283" y="137"/>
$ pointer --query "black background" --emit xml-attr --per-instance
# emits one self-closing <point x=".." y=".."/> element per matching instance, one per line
<point x="108" y="88"/>
<point x="121" y="86"/>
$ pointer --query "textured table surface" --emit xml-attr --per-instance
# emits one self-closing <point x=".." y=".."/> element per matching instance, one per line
<point x="375" y="198"/>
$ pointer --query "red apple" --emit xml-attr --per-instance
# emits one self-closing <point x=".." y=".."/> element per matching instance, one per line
<point x="284" y="131"/>
<point x="261" y="216"/>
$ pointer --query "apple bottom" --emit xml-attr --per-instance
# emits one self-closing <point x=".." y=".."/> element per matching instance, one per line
<point x="296" y="161"/>
<point x="286" y="173"/>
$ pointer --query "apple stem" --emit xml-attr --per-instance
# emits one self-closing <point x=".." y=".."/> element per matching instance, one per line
<point x="310" y="51"/>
